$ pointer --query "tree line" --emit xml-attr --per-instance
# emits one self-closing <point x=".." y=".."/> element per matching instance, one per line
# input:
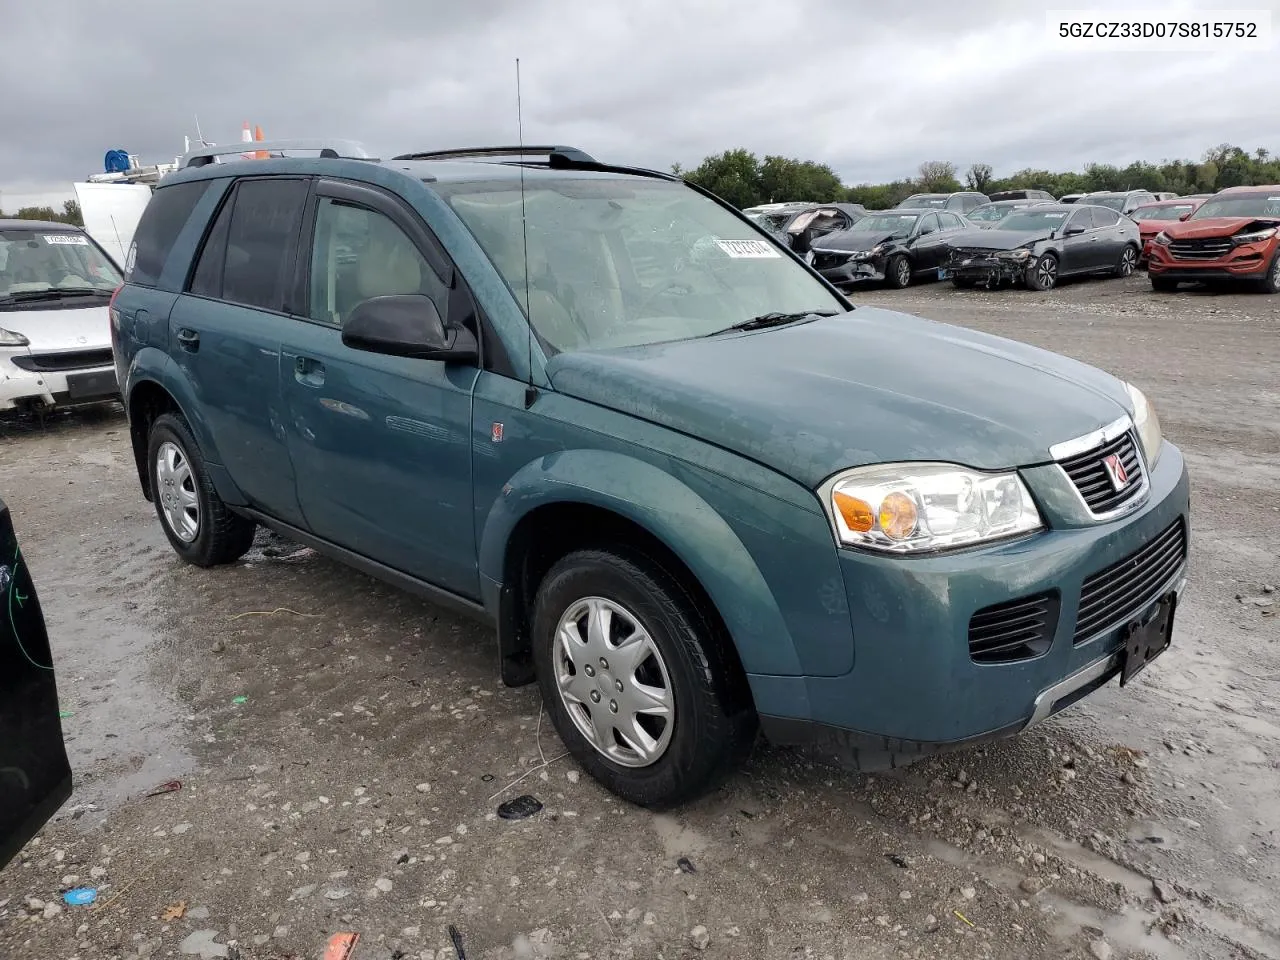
<point x="742" y="179"/>
<point x="70" y="214"/>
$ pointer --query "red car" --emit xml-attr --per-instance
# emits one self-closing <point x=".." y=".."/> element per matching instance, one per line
<point x="1234" y="235"/>
<point x="1154" y="217"/>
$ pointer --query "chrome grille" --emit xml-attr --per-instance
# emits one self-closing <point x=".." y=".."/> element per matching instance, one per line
<point x="1121" y="591"/>
<point x="1211" y="249"/>
<point x="1088" y="472"/>
<point x="1015" y="630"/>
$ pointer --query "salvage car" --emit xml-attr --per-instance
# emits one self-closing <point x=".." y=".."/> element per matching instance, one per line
<point x="697" y="493"/>
<point x="55" y="340"/>
<point x="798" y="225"/>
<point x="1233" y="236"/>
<point x="1151" y="218"/>
<point x="1123" y="201"/>
<point x="960" y="202"/>
<point x="890" y="246"/>
<point x="35" y="775"/>
<point x="990" y="214"/>
<point x="1038" y="246"/>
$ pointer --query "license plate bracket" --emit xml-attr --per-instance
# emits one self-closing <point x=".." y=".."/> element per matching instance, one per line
<point x="85" y="386"/>
<point x="943" y="273"/>
<point x="1144" y="640"/>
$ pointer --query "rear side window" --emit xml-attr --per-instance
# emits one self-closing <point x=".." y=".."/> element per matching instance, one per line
<point x="261" y="235"/>
<point x="159" y="227"/>
<point x="1102" y="217"/>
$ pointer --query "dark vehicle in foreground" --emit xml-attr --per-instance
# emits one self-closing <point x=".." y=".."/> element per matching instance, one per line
<point x="696" y="492"/>
<point x="960" y="202"/>
<point x="1123" y="202"/>
<point x="1151" y="218"/>
<point x="35" y="777"/>
<point x="990" y="214"/>
<point x="799" y="225"/>
<point x="1234" y="235"/>
<point x="890" y="246"/>
<point x="1040" y="245"/>
<point x="1022" y="195"/>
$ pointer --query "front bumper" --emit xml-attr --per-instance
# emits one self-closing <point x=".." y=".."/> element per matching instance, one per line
<point x="914" y="687"/>
<point x="1247" y="262"/>
<point x="987" y="268"/>
<point x="49" y="388"/>
<point x="855" y="271"/>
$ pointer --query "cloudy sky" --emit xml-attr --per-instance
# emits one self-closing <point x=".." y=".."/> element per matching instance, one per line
<point x="871" y="88"/>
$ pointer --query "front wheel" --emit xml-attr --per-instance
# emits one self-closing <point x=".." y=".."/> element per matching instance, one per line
<point x="643" y="692"/>
<point x="1271" y="283"/>
<point x="200" y="527"/>
<point x="1043" y="274"/>
<point x="897" y="272"/>
<point x="1128" y="261"/>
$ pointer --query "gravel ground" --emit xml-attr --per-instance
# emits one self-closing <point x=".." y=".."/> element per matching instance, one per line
<point x="355" y="785"/>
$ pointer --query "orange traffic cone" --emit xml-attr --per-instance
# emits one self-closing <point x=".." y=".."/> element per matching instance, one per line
<point x="257" y="135"/>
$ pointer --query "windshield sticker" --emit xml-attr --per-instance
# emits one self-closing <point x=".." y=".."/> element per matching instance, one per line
<point x="748" y="249"/>
<point x="72" y="238"/>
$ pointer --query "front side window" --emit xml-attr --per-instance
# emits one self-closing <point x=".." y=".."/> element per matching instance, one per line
<point x="53" y="264"/>
<point x="358" y="254"/>
<point x="1082" y="219"/>
<point x="620" y="262"/>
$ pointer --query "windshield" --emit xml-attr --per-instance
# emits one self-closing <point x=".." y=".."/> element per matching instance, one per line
<point x="894" y="224"/>
<point x="1114" y="203"/>
<point x="1038" y="220"/>
<point x="1170" y="211"/>
<point x="33" y="262"/>
<point x="616" y="262"/>
<point x="989" y="213"/>
<point x="924" y="203"/>
<point x="1240" y="205"/>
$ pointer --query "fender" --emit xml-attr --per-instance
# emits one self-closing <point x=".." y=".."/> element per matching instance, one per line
<point x="688" y="525"/>
<point x="154" y="365"/>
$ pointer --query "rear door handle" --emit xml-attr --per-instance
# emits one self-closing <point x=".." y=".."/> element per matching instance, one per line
<point x="189" y="340"/>
<point x="308" y="372"/>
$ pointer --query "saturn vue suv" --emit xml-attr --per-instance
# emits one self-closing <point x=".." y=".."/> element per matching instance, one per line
<point x="697" y="493"/>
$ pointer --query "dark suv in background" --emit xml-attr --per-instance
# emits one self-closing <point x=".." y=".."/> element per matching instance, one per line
<point x="961" y="202"/>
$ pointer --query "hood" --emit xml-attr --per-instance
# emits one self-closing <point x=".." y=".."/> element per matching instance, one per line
<point x="994" y="238"/>
<point x="1215" y="226"/>
<point x="853" y="239"/>
<point x="869" y="386"/>
<point x="78" y="328"/>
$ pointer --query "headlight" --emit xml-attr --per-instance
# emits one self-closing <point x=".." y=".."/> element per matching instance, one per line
<point x="1146" y="422"/>
<point x="922" y="507"/>
<point x="10" y="339"/>
<point x="1161" y="238"/>
<point x="1255" y="236"/>
<point x="1019" y="254"/>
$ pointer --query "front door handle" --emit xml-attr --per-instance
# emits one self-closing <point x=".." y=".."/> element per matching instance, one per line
<point x="188" y="340"/>
<point x="308" y="372"/>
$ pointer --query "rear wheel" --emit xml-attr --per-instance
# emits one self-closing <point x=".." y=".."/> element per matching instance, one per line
<point x="1128" y="261"/>
<point x="1043" y="274"/>
<point x="640" y="687"/>
<point x="897" y="272"/>
<point x="1162" y="284"/>
<point x="200" y="527"/>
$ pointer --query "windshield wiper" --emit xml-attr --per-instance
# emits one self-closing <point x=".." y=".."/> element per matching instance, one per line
<point x="53" y="293"/>
<point x="772" y="320"/>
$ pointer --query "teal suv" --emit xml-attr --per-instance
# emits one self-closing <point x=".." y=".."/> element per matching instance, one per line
<point x="699" y="495"/>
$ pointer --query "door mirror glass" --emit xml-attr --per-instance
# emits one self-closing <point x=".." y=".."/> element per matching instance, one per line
<point x="407" y="325"/>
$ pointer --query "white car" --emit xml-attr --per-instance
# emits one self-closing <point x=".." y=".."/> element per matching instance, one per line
<point x="56" y="284"/>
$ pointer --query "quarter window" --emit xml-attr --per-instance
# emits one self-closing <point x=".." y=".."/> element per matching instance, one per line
<point x="164" y="217"/>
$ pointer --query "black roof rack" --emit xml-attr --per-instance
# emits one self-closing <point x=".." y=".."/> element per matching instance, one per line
<point x="556" y="155"/>
<point x="329" y="149"/>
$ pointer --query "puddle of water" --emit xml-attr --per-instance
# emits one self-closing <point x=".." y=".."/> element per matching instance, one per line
<point x="1126" y="930"/>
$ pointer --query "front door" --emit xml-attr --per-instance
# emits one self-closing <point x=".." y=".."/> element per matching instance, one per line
<point x="35" y="777"/>
<point x="1080" y="251"/>
<point x="381" y="444"/>
<point x="225" y="332"/>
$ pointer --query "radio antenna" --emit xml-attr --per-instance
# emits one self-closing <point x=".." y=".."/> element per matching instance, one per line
<point x="530" y="391"/>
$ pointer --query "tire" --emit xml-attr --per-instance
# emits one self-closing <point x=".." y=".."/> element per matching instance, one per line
<point x="1043" y="273"/>
<point x="710" y="724"/>
<point x="1271" y="282"/>
<point x="1162" y="284"/>
<point x="1128" y="262"/>
<point x="201" y="528"/>
<point x="897" y="272"/>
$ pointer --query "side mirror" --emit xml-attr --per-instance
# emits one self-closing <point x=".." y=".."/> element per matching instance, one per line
<point x="407" y="326"/>
<point x="1185" y="215"/>
<point x="1072" y="230"/>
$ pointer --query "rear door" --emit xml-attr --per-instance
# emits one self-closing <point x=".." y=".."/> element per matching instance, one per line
<point x="35" y="776"/>
<point x="225" y="333"/>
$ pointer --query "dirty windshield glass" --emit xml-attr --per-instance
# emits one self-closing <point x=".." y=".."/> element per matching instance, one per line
<point x="1242" y="205"/>
<point x="1114" y="203"/>
<point x="989" y="213"/>
<point x="616" y="262"/>
<point x="1037" y="220"/>
<point x="1171" y="212"/>
<point x="37" y="262"/>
